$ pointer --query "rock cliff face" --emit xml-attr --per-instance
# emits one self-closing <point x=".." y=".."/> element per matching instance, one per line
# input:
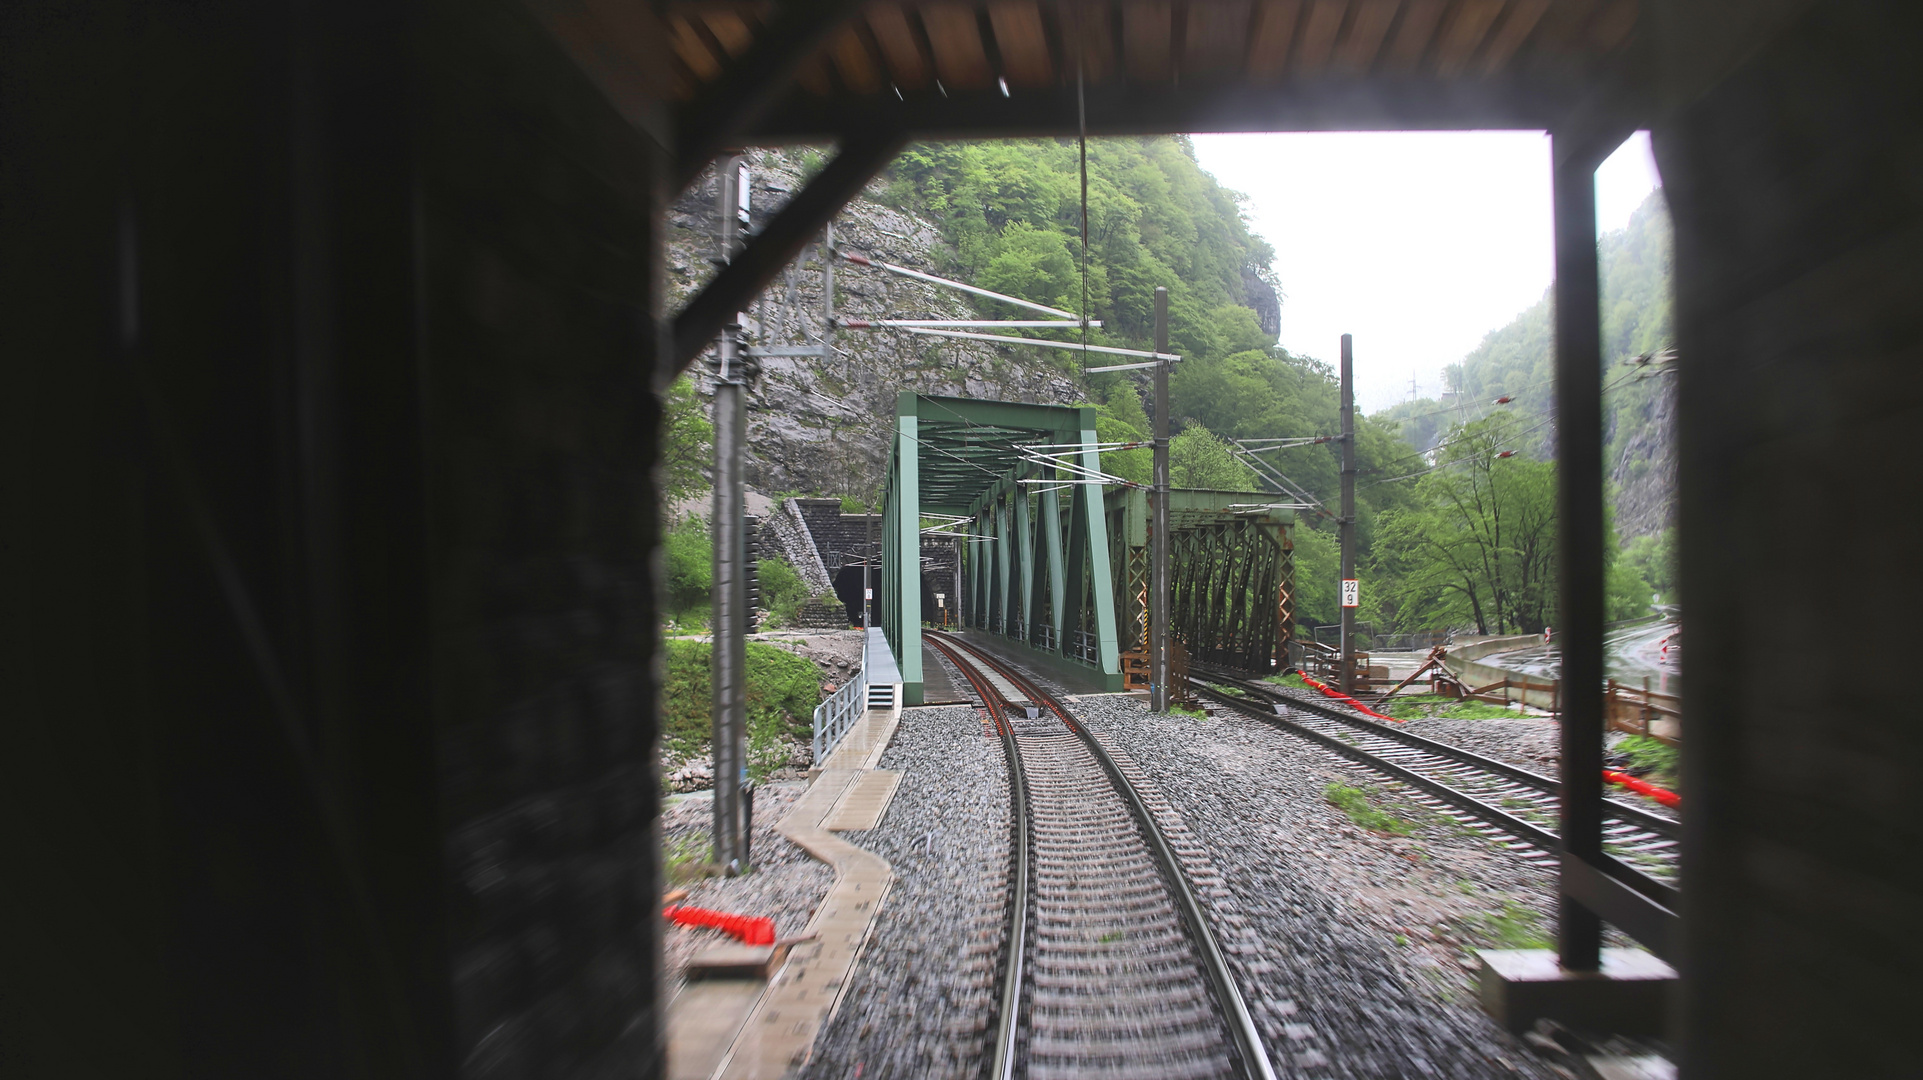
<point x="1644" y="471"/>
<point x="1261" y="297"/>
<point x="825" y="426"/>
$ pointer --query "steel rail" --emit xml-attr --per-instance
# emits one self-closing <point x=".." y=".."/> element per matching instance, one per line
<point x="1659" y="891"/>
<point x="1008" y="1021"/>
<point x="1235" y="1011"/>
<point x="1634" y="815"/>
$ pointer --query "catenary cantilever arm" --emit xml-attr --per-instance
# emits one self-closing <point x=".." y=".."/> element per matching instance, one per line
<point x="777" y="245"/>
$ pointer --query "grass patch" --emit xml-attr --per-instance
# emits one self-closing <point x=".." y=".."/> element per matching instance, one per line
<point x="1355" y="802"/>
<point x="1657" y="761"/>
<point x="685" y="854"/>
<point x="1510" y="927"/>
<point x="1292" y="680"/>
<point x="1426" y="706"/>
<point x="1193" y="711"/>
<point x="783" y="690"/>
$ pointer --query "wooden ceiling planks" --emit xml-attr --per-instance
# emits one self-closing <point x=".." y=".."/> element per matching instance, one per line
<point x="1413" y="34"/>
<point x="730" y="29"/>
<point x="1463" y="33"/>
<point x="1318" y="36"/>
<point x="961" y="61"/>
<point x="1494" y="62"/>
<point x="860" y="70"/>
<point x="1517" y="25"/>
<point x="693" y="51"/>
<point x="1147" y="26"/>
<point x="901" y="48"/>
<point x="1093" y="24"/>
<point x="1270" y="40"/>
<point x="1367" y="29"/>
<point x="1613" y="24"/>
<point x="1215" y="40"/>
<point x="1022" y="42"/>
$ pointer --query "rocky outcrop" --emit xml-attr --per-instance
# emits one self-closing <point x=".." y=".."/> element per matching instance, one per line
<point x="826" y="426"/>
<point x="1260" y="297"/>
<point x="1644" y="472"/>
<point x="787" y="533"/>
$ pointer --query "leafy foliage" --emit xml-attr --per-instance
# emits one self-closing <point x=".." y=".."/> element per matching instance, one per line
<point x="783" y="690"/>
<point x="782" y="590"/>
<point x="686" y="442"/>
<point x="1480" y="545"/>
<point x="1011" y="211"/>
<point x="688" y="555"/>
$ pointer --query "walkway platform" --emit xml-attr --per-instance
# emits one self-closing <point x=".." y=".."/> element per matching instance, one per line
<point x="778" y="1035"/>
<point x="878" y="659"/>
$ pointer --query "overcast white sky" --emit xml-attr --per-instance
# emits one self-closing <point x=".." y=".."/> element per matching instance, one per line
<point x="1418" y="243"/>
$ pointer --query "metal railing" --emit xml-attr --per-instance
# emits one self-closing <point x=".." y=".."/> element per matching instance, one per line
<point x="835" y="716"/>
<point x="1087" y="648"/>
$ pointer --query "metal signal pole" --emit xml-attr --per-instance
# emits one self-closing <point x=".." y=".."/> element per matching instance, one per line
<point x="1347" y="522"/>
<point x="1158" y="645"/>
<point x="730" y="613"/>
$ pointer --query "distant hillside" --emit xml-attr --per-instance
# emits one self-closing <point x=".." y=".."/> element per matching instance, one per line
<point x="1638" y="408"/>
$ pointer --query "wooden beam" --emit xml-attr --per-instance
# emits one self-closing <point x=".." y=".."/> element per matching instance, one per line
<point x="777" y="245"/>
<point x="753" y="82"/>
<point x="1507" y="101"/>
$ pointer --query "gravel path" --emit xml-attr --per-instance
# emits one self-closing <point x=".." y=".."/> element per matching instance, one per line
<point x="1358" y="961"/>
<point x="787" y="883"/>
<point x="923" y="994"/>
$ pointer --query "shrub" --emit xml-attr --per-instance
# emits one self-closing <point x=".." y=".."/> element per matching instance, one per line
<point x="783" y="690"/>
<point x="782" y="591"/>
<point x="689" y="558"/>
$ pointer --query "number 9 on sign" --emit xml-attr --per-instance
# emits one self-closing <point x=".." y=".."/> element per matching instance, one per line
<point x="1351" y="593"/>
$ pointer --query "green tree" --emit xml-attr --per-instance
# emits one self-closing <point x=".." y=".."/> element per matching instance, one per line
<point x="689" y="558"/>
<point x="1318" y="568"/>
<point x="1480" y="545"/>
<point x="1198" y="458"/>
<point x="686" y="443"/>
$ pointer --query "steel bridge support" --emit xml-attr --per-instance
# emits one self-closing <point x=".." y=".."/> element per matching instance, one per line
<point x="1036" y="571"/>
<point x="1231" y="575"/>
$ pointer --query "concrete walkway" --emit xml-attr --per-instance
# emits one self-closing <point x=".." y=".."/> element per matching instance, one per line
<point x="779" y="1034"/>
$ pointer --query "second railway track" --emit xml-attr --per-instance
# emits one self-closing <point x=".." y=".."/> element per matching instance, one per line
<point x="1112" y="970"/>
<point x="1487" y="795"/>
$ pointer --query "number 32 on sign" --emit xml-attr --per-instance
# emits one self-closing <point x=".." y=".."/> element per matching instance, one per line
<point x="1351" y="593"/>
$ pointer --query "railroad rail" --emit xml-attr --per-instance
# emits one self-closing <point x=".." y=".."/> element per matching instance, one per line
<point x="1488" y="796"/>
<point x="1112" y="969"/>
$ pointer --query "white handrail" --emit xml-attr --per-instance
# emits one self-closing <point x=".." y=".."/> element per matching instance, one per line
<point x="835" y="716"/>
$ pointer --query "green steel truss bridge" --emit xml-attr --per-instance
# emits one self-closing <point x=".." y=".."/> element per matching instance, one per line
<point x="1056" y="568"/>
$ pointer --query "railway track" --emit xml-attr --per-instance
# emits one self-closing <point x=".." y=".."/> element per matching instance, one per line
<point x="1111" y="968"/>
<point x="1515" y="807"/>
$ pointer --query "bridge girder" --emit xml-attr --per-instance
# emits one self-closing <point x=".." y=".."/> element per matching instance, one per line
<point x="1231" y="575"/>
<point x="1034" y="571"/>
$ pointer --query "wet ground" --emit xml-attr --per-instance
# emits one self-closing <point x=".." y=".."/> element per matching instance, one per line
<point x="1650" y="650"/>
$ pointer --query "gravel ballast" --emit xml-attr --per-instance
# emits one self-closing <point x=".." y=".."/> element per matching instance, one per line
<point x="1357" y="958"/>
<point x="922" y="997"/>
<point x="786" y="886"/>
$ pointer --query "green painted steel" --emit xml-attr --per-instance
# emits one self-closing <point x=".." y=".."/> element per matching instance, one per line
<point x="1037" y="571"/>
<point x="1231" y="575"/>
